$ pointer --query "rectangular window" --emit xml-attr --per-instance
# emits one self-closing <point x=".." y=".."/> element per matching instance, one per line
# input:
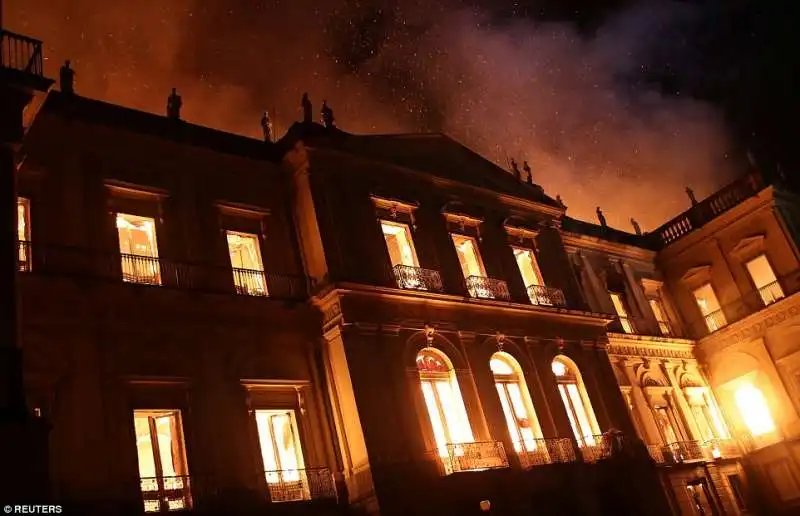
<point x="468" y="255"/>
<point x="163" y="473"/>
<point x="661" y="317"/>
<point x="138" y="248"/>
<point x="764" y="279"/>
<point x="666" y="425"/>
<point x="531" y="275"/>
<point x="622" y="312"/>
<point x="24" y="233"/>
<point x="282" y="455"/>
<point x="709" y="307"/>
<point x="399" y="244"/>
<point x="248" y="269"/>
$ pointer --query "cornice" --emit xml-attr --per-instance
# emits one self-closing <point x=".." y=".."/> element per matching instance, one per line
<point x="639" y="346"/>
<point x="576" y="242"/>
<point x="753" y="326"/>
<point x="393" y="295"/>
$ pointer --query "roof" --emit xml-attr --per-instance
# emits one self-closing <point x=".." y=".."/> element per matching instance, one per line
<point x="433" y="153"/>
<point x="179" y="131"/>
<point x="606" y="233"/>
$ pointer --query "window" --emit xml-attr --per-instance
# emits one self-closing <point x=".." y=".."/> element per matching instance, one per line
<point x="402" y="255"/>
<point x="764" y="279"/>
<point x="709" y="307"/>
<point x="737" y="486"/>
<point x="516" y="402"/>
<point x="531" y="275"/>
<point x="24" y="233"/>
<point x="472" y="267"/>
<point x="754" y="410"/>
<point x="282" y="455"/>
<point x="162" y="460"/>
<point x="661" y="316"/>
<point x="248" y="269"/>
<point x="622" y="312"/>
<point x="667" y="426"/>
<point x="139" y="249"/>
<point x="576" y="401"/>
<point x="446" y="410"/>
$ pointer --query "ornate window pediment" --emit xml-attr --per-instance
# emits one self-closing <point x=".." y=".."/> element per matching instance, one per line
<point x="748" y="246"/>
<point x="697" y="275"/>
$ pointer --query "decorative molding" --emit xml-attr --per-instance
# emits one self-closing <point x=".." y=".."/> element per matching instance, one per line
<point x="430" y="331"/>
<point x="698" y="274"/>
<point x="520" y="232"/>
<point x="393" y="205"/>
<point x="134" y="191"/>
<point x="748" y="245"/>
<point x="658" y="350"/>
<point x="500" y="340"/>
<point x="753" y="326"/>
<point x="462" y="219"/>
<point x="241" y="210"/>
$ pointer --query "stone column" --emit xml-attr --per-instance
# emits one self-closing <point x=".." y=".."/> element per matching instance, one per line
<point x="644" y="307"/>
<point x="680" y="400"/>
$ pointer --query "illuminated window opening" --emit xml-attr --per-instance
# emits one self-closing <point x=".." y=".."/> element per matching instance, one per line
<point x="248" y="269"/>
<point x="139" y="249"/>
<point x="446" y="410"/>
<point x="468" y="255"/>
<point x="521" y="420"/>
<point x="282" y="455"/>
<point x="622" y="312"/>
<point x="163" y="472"/>
<point x="709" y="307"/>
<point x="531" y="275"/>
<point x="576" y="401"/>
<point x="754" y="410"/>
<point x="399" y="243"/>
<point x="23" y="233"/>
<point x="764" y="279"/>
<point x="667" y="424"/>
<point x="661" y="316"/>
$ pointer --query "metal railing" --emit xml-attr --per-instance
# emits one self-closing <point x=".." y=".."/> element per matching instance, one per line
<point x="21" y="53"/>
<point x="715" y="320"/>
<point x="771" y="292"/>
<point x="487" y="288"/>
<point x="476" y="456"/>
<point x="691" y="451"/>
<point x="665" y="328"/>
<point x="595" y="448"/>
<point x="166" y="494"/>
<point x="24" y="256"/>
<point x="627" y="325"/>
<point x="295" y="485"/>
<point x="147" y="270"/>
<point x="722" y="448"/>
<point x="250" y="282"/>
<point x="539" y="452"/>
<point x="417" y="278"/>
<point x="708" y="209"/>
<point x="546" y="296"/>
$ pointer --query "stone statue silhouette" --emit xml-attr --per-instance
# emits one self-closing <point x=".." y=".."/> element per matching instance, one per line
<point x="266" y="126"/>
<point x="174" y="104"/>
<point x="601" y="217"/>
<point x="327" y="115"/>
<point x="636" y="227"/>
<point x="515" y="169"/>
<point x="308" y="117"/>
<point x="559" y="201"/>
<point x="67" y="78"/>
<point x="527" y="169"/>
<point x="690" y="193"/>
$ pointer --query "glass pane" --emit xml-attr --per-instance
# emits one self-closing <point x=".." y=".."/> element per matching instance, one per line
<point x="455" y="414"/>
<point x="266" y="440"/>
<point x="761" y="272"/>
<point x="284" y="443"/>
<point x="527" y="266"/>
<point x="580" y="411"/>
<point x="22" y="219"/>
<point x="619" y="305"/>
<point x="702" y="423"/>
<point x="137" y="235"/>
<point x="244" y="251"/>
<point x="166" y="442"/>
<point x="468" y="256"/>
<point x="500" y="366"/>
<point x="562" y="389"/>
<point x="525" y="420"/>
<point x="399" y="244"/>
<point x="511" y="422"/>
<point x="144" y="446"/>
<point x="665" y="424"/>
<point x="706" y="299"/>
<point x="436" y="419"/>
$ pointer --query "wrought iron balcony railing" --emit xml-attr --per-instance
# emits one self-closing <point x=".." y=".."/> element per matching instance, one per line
<point x="20" y="53"/>
<point x="417" y="278"/>
<point x="487" y="288"/>
<point x="546" y="296"/>
<point x="715" y="320"/>
<point x="595" y="448"/>
<point x="296" y="485"/>
<point x="477" y="456"/>
<point x="166" y="494"/>
<point x="691" y="451"/>
<point x="684" y="451"/>
<point x="149" y="270"/>
<point x="539" y="452"/>
<point x="771" y="292"/>
<point x="627" y="325"/>
<point x="722" y="448"/>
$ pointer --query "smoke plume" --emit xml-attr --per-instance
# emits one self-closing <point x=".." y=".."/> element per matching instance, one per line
<point x="576" y="106"/>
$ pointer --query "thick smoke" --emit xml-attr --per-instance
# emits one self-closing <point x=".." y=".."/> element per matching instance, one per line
<point x="576" y="107"/>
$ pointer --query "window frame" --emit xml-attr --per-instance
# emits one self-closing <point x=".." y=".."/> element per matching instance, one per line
<point x="476" y="249"/>
<point x="517" y="377"/>
<point x="409" y="237"/>
<point x="573" y="376"/>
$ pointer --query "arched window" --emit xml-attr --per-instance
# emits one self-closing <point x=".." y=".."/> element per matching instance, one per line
<point x="576" y="401"/>
<point x="516" y="402"/>
<point x="443" y="400"/>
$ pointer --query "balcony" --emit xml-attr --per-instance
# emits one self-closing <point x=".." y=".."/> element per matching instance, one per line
<point x="771" y="293"/>
<point x="487" y="288"/>
<point x="297" y="485"/>
<point x="626" y="324"/>
<point x="715" y="320"/>
<point x="596" y="448"/>
<point x="166" y="494"/>
<point x="722" y="449"/>
<point x="158" y="272"/>
<point x="546" y="296"/>
<point x="417" y="278"/>
<point x="692" y="451"/>
<point x="540" y="452"/>
<point x="478" y="456"/>
<point x="21" y="53"/>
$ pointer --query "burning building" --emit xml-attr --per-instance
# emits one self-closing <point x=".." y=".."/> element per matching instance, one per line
<point x="336" y="324"/>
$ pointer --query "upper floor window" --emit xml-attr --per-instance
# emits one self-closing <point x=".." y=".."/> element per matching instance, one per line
<point x="754" y="410"/>
<point x="163" y="473"/>
<point x="764" y="279"/>
<point x="446" y="410"/>
<point x="139" y="249"/>
<point x="399" y="244"/>
<point x="706" y="415"/>
<point x="667" y="424"/>
<point x="516" y="402"/>
<point x="531" y="276"/>
<point x="622" y="312"/>
<point x="709" y="307"/>
<point x="576" y="401"/>
<point x="248" y="269"/>
<point x="282" y="455"/>
<point x="23" y="233"/>
<point x="468" y="255"/>
<point x="661" y="316"/>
